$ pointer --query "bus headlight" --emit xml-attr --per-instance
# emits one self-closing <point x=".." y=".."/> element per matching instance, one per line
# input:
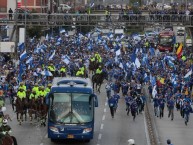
<point x="87" y="130"/>
<point x="54" y="129"/>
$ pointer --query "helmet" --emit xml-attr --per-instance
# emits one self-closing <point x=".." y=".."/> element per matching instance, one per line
<point x="49" y="85"/>
<point x="5" y="121"/>
<point x="168" y="141"/>
<point x="131" y="142"/>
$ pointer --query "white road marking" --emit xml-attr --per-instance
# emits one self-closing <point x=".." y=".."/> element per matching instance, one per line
<point x="42" y="144"/>
<point x="103" y="117"/>
<point x="106" y="104"/>
<point x="146" y="131"/>
<point x="100" y="136"/>
<point x="102" y="125"/>
<point x="98" y="144"/>
<point x="105" y="110"/>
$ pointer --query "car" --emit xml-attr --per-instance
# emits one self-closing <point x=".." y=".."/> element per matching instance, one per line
<point x="180" y="32"/>
<point x="64" y="7"/>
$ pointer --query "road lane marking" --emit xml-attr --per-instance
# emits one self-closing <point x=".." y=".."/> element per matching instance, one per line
<point x="103" y="117"/>
<point x="105" y="110"/>
<point x="42" y="144"/>
<point x="100" y="136"/>
<point x="102" y="125"/>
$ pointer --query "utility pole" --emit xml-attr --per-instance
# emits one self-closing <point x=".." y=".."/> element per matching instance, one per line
<point x="25" y="26"/>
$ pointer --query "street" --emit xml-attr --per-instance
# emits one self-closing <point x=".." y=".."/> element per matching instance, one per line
<point x="108" y="130"/>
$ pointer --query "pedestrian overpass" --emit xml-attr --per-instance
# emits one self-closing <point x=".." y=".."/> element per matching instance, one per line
<point x="114" y="20"/>
<point x="59" y="19"/>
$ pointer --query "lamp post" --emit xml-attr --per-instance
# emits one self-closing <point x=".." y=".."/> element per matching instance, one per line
<point x="25" y="25"/>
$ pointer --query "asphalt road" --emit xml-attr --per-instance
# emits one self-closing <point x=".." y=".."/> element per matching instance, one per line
<point x="176" y="130"/>
<point x="108" y="131"/>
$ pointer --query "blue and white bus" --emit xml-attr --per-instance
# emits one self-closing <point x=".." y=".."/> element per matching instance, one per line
<point x="71" y="109"/>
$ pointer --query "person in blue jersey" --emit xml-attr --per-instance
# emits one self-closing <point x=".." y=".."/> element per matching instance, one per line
<point x="117" y="97"/>
<point x="128" y="101"/>
<point x="161" y="102"/>
<point x="171" y="104"/>
<point x="134" y="108"/>
<point x="108" y="88"/>
<point x="156" y="105"/>
<point x="187" y="109"/>
<point x="112" y="103"/>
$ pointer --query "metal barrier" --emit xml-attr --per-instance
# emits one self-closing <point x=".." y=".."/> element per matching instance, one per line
<point x="95" y="19"/>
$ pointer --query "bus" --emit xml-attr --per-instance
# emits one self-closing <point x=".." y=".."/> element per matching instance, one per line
<point x="71" y="111"/>
<point x="166" y="41"/>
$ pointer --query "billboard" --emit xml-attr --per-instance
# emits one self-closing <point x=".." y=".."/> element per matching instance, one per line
<point x="7" y="47"/>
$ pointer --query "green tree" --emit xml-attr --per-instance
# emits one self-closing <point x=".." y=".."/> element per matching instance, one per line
<point x="35" y="31"/>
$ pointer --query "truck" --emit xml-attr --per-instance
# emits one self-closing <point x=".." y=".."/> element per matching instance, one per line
<point x="166" y="41"/>
<point x="71" y="110"/>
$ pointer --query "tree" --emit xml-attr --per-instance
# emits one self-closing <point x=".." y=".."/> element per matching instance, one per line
<point x="35" y="31"/>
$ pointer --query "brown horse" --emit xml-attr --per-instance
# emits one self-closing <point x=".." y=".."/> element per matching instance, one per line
<point x="93" y="66"/>
<point x="98" y="79"/>
<point x="42" y="110"/>
<point x="7" y="140"/>
<point x="21" y="109"/>
<point x="32" y="109"/>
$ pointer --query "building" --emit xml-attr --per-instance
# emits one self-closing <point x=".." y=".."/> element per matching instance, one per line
<point x="37" y="5"/>
<point x="3" y="6"/>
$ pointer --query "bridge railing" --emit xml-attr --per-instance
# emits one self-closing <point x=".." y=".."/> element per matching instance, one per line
<point x="69" y="19"/>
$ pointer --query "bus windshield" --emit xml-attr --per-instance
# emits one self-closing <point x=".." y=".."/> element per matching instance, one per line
<point x="71" y="108"/>
<point x="165" y="40"/>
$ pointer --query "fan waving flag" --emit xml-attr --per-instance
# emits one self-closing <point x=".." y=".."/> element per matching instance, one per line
<point x="179" y="51"/>
<point x="51" y="57"/>
<point x="23" y="55"/>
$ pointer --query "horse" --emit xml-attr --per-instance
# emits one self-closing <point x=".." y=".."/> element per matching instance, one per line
<point x="42" y="110"/>
<point x="7" y="139"/>
<point x="32" y="109"/>
<point x="21" y="109"/>
<point x="98" y="79"/>
<point x="93" y="66"/>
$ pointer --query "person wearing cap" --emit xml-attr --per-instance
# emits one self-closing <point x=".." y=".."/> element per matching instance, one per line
<point x="42" y="92"/>
<point x="23" y="86"/>
<point x="35" y="88"/>
<point x="63" y="71"/>
<point x="52" y="68"/>
<point x="33" y="95"/>
<point x="21" y="94"/>
<point x="99" y="70"/>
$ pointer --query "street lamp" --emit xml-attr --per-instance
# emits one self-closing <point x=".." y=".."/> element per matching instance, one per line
<point x="25" y="25"/>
